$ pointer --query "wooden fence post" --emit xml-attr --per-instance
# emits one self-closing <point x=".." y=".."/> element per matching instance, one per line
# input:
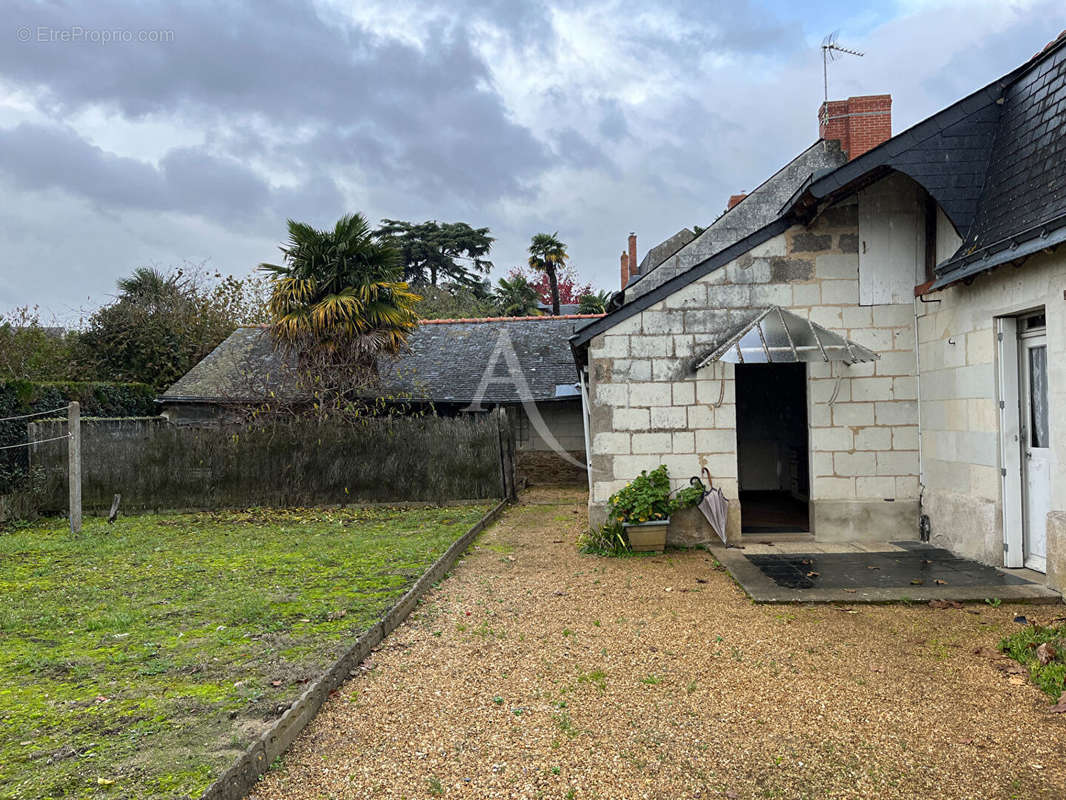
<point x="507" y="454"/>
<point x="74" y="469"/>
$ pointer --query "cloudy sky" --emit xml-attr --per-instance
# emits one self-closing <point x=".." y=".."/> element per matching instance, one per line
<point x="197" y="143"/>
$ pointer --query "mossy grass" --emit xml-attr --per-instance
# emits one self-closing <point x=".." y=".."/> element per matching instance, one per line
<point x="1021" y="646"/>
<point x="140" y="659"/>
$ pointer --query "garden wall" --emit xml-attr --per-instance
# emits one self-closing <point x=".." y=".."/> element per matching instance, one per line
<point x="155" y="465"/>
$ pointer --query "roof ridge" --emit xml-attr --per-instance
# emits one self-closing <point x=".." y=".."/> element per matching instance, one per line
<point x="263" y="325"/>
<point x="506" y="319"/>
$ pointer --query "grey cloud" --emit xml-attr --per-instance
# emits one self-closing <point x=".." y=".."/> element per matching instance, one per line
<point x="575" y="150"/>
<point x="188" y="180"/>
<point x="612" y="125"/>
<point x="279" y="65"/>
<point x="38" y="156"/>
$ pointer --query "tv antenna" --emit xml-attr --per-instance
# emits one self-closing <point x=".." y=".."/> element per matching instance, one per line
<point x="830" y="50"/>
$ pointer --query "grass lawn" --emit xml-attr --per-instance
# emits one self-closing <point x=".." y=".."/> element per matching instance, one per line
<point x="140" y="659"/>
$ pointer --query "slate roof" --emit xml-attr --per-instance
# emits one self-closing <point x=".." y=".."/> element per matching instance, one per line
<point x="995" y="162"/>
<point x="761" y="206"/>
<point x="446" y="363"/>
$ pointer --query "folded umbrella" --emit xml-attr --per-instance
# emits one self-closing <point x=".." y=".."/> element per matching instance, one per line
<point x="715" y="507"/>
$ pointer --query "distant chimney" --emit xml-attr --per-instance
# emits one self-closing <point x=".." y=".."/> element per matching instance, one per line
<point x="734" y="199"/>
<point x="858" y="123"/>
<point x="634" y="265"/>
<point x="625" y="268"/>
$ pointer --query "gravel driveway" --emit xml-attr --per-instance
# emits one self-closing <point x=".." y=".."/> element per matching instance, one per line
<point x="535" y="671"/>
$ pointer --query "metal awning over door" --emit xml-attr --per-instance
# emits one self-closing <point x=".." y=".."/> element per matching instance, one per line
<point x="776" y="336"/>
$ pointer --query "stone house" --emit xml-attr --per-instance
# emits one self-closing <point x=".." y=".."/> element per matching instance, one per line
<point x="867" y="351"/>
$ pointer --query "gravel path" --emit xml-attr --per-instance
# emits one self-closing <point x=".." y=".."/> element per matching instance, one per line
<point x="535" y="671"/>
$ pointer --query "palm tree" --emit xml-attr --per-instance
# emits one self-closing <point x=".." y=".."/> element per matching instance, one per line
<point x="594" y="303"/>
<point x="339" y="294"/>
<point x="515" y="297"/>
<point x="547" y="254"/>
<point x="150" y="287"/>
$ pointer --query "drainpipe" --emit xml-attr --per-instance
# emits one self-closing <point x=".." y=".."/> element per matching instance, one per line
<point x="922" y="529"/>
<point x="585" y="424"/>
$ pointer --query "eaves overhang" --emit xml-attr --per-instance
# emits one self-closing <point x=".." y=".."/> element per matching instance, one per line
<point x="966" y="266"/>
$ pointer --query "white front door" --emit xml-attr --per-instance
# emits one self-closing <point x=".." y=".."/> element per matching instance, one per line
<point x="1036" y="449"/>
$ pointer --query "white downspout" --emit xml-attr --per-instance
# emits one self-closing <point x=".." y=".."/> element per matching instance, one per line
<point x="918" y="394"/>
<point x="585" y="424"/>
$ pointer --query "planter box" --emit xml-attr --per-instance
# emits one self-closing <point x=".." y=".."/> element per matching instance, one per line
<point x="647" y="537"/>
<point x="689" y="528"/>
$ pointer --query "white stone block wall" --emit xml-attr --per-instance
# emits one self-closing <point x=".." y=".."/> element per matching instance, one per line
<point x="562" y="421"/>
<point x="960" y="402"/>
<point x="650" y="408"/>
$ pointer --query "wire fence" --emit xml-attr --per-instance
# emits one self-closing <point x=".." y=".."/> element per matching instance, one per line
<point x="35" y="441"/>
<point x="34" y="414"/>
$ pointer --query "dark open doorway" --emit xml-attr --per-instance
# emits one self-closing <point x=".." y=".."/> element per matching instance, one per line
<point x="772" y="447"/>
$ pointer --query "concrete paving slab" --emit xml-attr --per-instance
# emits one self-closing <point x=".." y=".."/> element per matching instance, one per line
<point x="910" y="571"/>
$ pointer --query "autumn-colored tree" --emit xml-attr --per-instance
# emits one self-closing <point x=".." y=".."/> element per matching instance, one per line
<point x="569" y="285"/>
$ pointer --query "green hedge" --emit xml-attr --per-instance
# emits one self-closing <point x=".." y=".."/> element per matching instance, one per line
<point x="27" y="397"/>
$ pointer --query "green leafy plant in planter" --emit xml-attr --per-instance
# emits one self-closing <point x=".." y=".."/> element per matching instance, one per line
<point x="687" y="497"/>
<point x="644" y="499"/>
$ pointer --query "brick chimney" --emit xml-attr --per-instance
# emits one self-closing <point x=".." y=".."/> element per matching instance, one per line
<point x="858" y="123"/>
<point x="734" y="199"/>
<point x="625" y="268"/>
<point x="634" y="265"/>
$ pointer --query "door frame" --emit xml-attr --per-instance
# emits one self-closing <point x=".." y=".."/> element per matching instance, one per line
<point x="1027" y="340"/>
<point x="1010" y="444"/>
